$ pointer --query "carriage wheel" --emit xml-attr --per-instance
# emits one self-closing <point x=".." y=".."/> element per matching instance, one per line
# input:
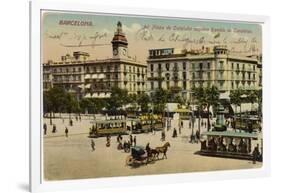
<point x="129" y="160"/>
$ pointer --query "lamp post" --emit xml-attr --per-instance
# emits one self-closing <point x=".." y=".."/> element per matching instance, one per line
<point x="192" y="137"/>
<point x="220" y="121"/>
<point x="242" y="98"/>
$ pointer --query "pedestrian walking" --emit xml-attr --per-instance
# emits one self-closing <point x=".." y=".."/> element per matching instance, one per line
<point x="135" y="140"/>
<point x="93" y="145"/>
<point x="256" y="154"/>
<point x="131" y="139"/>
<point x="70" y="122"/>
<point x="54" y="129"/>
<point x="107" y="141"/>
<point x="45" y="128"/>
<point x="147" y="147"/>
<point x="153" y="130"/>
<point x="197" y="134"/>
<point x="163" y="135"/>
<point x="189" y="124"/>
<point x="234" y="125"/>
<point x="174" y="133"/>
<point x="66" y="132"/>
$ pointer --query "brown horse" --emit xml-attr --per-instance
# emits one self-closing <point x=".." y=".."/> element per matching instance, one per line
<point x="163" y="149"/>
<point x="153" y="153"/>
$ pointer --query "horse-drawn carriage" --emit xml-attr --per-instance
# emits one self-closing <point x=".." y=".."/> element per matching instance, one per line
<point x="140" y="155"/>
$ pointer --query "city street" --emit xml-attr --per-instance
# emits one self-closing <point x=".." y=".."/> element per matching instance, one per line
<point x="72" y="157"/>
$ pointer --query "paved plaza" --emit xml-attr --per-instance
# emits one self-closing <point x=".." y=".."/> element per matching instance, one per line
<point x="72" y="157"/>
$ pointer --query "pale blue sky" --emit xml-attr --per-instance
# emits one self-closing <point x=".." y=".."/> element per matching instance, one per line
<point x="106" y="24"/>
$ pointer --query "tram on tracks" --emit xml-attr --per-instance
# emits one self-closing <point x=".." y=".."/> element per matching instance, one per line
<point x="228" y="144"/>
<point x="108" y="127"/>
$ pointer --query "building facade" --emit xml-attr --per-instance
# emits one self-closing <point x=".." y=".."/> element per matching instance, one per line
<point x="95" y="78"/>
<point x="168" y="69"/>
<point x="182" y="70"/>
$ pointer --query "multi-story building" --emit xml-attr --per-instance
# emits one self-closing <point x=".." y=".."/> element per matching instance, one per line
<point x="95" y="78"/>
<point x="180" y="71"/>
<point x="168" y="69"/>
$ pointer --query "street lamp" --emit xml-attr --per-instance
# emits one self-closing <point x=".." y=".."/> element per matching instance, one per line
<point x="242" y="97"/>
<point x="192" y="137"/>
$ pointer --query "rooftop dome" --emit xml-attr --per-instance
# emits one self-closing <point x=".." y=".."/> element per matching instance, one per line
<point x="119" y="36"/>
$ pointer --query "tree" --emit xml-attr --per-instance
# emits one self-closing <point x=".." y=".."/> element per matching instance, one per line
<point x="119" y="97"/>
<point x="259" y="100"/>
<point x="47" y="105"/>
<point x="71" y="104"/>
<point x="212" y="98"/>
<point x="143" y="100"/>
<point x="85" y="104"/>
<point x="54" y="100"/>
<point x="132" y="100"/>
<point x="236" y="98"/>
<point x="159" y="100"/>
<point x="179" y="99"/>
<point x="200" y="97"/>
<point x="92" y="105"/>
<point x="252" y="97"/>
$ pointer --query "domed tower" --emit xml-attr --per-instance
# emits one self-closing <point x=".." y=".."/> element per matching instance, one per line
<point x="221" y="51"/>
<point x="119" y="43"/>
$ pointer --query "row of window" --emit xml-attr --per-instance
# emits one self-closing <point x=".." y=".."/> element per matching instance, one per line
<point x="248" y="67"/>
<point x="101" y="68"/>
<point x="168" y="85"/>
<point x="174" y="76"/>
<point x="201" y="65"/>
<point x="134" y="78"/>
<point x="67" y="69"/>
<point x="134" y="69"/>
<point x="67" y="78"/>
<point x="220" y="75"/>
<point x="221" y="84"/>
<point x="167" y="66"/>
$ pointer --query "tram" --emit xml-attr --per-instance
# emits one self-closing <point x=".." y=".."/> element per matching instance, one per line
<point x="248" y="123"/>
<point x="228" y="144"/>
<point x="151" y="122"/>
<point x="184" y="114"/>
<point x="108" y="127"/>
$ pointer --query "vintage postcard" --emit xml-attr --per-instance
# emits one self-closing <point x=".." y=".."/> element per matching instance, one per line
<point x="131" y="95"/>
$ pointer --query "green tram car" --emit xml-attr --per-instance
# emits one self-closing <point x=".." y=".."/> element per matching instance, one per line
<point x="108" y="127"/>
<point x="148" y="122"/>
<point x="248" y="124"/>
<point x="228" y="144"/>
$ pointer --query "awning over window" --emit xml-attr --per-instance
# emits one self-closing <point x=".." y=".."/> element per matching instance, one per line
<point x="88" y="95"/>
<point x="88" y="86"/>
<point x="95" y="95"/>
<point x="88" y="76"/>
<point x="101" y="76"/>
<point x="81" y="86"/>
<point x="245" y="107"/>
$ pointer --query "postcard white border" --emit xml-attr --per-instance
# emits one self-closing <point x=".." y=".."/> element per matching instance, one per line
<point x="36" y="182"/>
